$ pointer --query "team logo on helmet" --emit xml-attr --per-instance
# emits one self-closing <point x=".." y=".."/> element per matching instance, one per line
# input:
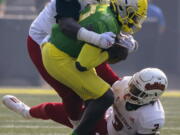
<point x="156" y="85"/>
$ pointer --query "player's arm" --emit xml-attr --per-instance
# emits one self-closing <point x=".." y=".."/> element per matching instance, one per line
<point x="67" y="16"/>
<point x="91" y="56"/>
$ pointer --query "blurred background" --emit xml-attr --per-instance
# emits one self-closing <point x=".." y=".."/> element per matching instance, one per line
<point x="159" y="42"/>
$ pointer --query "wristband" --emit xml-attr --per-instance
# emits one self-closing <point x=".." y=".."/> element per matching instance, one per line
<point x="88" y="36"/>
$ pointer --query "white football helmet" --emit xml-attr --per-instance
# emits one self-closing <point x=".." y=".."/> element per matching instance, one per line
<point x="130" y="13"/>
<point x="146" y="86"/>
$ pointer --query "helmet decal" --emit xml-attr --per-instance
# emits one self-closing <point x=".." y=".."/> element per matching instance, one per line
<point x="156" y="85"/>
<point x="146" y="86"/>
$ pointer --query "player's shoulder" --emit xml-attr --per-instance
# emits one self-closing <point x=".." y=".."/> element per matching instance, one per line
<point x="151" y="116"/>
<point x="110" y="23"/>
<point x="120" y="86"/>
<point x="120" y="83"/>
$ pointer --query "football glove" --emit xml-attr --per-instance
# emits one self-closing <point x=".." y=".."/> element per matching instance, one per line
<point x="104" y="40"/>
<point x="127" y="41"/>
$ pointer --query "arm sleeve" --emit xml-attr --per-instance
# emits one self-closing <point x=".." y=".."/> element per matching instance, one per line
<point x="67" y="8"/>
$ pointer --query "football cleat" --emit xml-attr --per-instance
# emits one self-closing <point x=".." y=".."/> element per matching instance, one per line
<point x="14" y="104"/>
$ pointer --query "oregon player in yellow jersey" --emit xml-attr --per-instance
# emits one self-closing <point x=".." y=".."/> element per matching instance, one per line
<point x="63" y="56"/>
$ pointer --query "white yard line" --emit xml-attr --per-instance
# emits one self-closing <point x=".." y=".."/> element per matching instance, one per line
<point x="60" y="127"/>
<point x="30" y="126"/>
<point x="171" y="128"/>
<point x="26" y="121"/>
<point x="37" y="134"/>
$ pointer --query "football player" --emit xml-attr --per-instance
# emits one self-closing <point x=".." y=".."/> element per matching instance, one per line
<point x="65" y="14"/>
<point x="137" y="109"/>
<point x="72" y="62"/>
<point x="62" y="56"/>
<point x="41" y="27"/>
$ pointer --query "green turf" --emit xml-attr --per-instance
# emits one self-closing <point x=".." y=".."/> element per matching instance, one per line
<point x="13" y="124"/>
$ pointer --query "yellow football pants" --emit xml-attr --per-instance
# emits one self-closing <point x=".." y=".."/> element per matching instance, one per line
<point x="62" y="67"/>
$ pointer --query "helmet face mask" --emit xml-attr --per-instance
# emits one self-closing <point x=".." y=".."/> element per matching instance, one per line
<point x="131" y="14"/>
<point x="146" y="86"/>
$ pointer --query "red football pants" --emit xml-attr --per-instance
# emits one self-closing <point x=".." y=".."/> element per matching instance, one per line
<point x="56" y="112"/>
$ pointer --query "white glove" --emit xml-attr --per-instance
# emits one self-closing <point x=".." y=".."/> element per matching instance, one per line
<point x="104" y="40"/>
<point x="107" y="40"/>
<point x="127" y="41"/>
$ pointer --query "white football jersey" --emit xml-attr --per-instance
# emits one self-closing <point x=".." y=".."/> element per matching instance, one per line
<point x="41" y="26"/>
<point x="145" y="120"/>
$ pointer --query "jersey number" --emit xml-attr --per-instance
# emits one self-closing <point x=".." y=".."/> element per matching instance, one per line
<point x="117" y="124"/>
<point x="156" y="127"/>
<point x="90" y="12"/>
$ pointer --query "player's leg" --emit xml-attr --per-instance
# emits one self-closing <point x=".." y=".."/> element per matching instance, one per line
<point x="53" y="111"/>
<point x="86" y="84"/>
<point x="94" y="112"/>
<point x="35" y="55"/>
<point x="45" y="111"/>
<point x="106" y="73"/>
<point x="101" y="127"/>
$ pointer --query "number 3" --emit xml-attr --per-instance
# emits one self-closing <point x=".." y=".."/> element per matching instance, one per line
<point x="156" y="127"/>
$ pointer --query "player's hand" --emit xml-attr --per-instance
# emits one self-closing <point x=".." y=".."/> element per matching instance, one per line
<point x="127" y="41"/>
<point x="107" y="39"/>
<point x="104" y="40"/>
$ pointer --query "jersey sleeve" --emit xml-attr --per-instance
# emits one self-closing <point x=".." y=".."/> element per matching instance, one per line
<point x="67" y="8"/>
<point x="120" y="86"/>
<point x="150" y="124"/>
<point x="116" y="87"/>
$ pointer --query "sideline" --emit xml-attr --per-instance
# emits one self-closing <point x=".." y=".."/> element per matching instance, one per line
<point x="39" y="91"/>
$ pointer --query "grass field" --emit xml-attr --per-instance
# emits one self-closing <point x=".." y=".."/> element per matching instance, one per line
<point x="13" y="124"/>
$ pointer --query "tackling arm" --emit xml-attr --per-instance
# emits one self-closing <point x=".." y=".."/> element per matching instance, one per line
<point x="70" y="27"/>
<point x="68" y="13"/>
